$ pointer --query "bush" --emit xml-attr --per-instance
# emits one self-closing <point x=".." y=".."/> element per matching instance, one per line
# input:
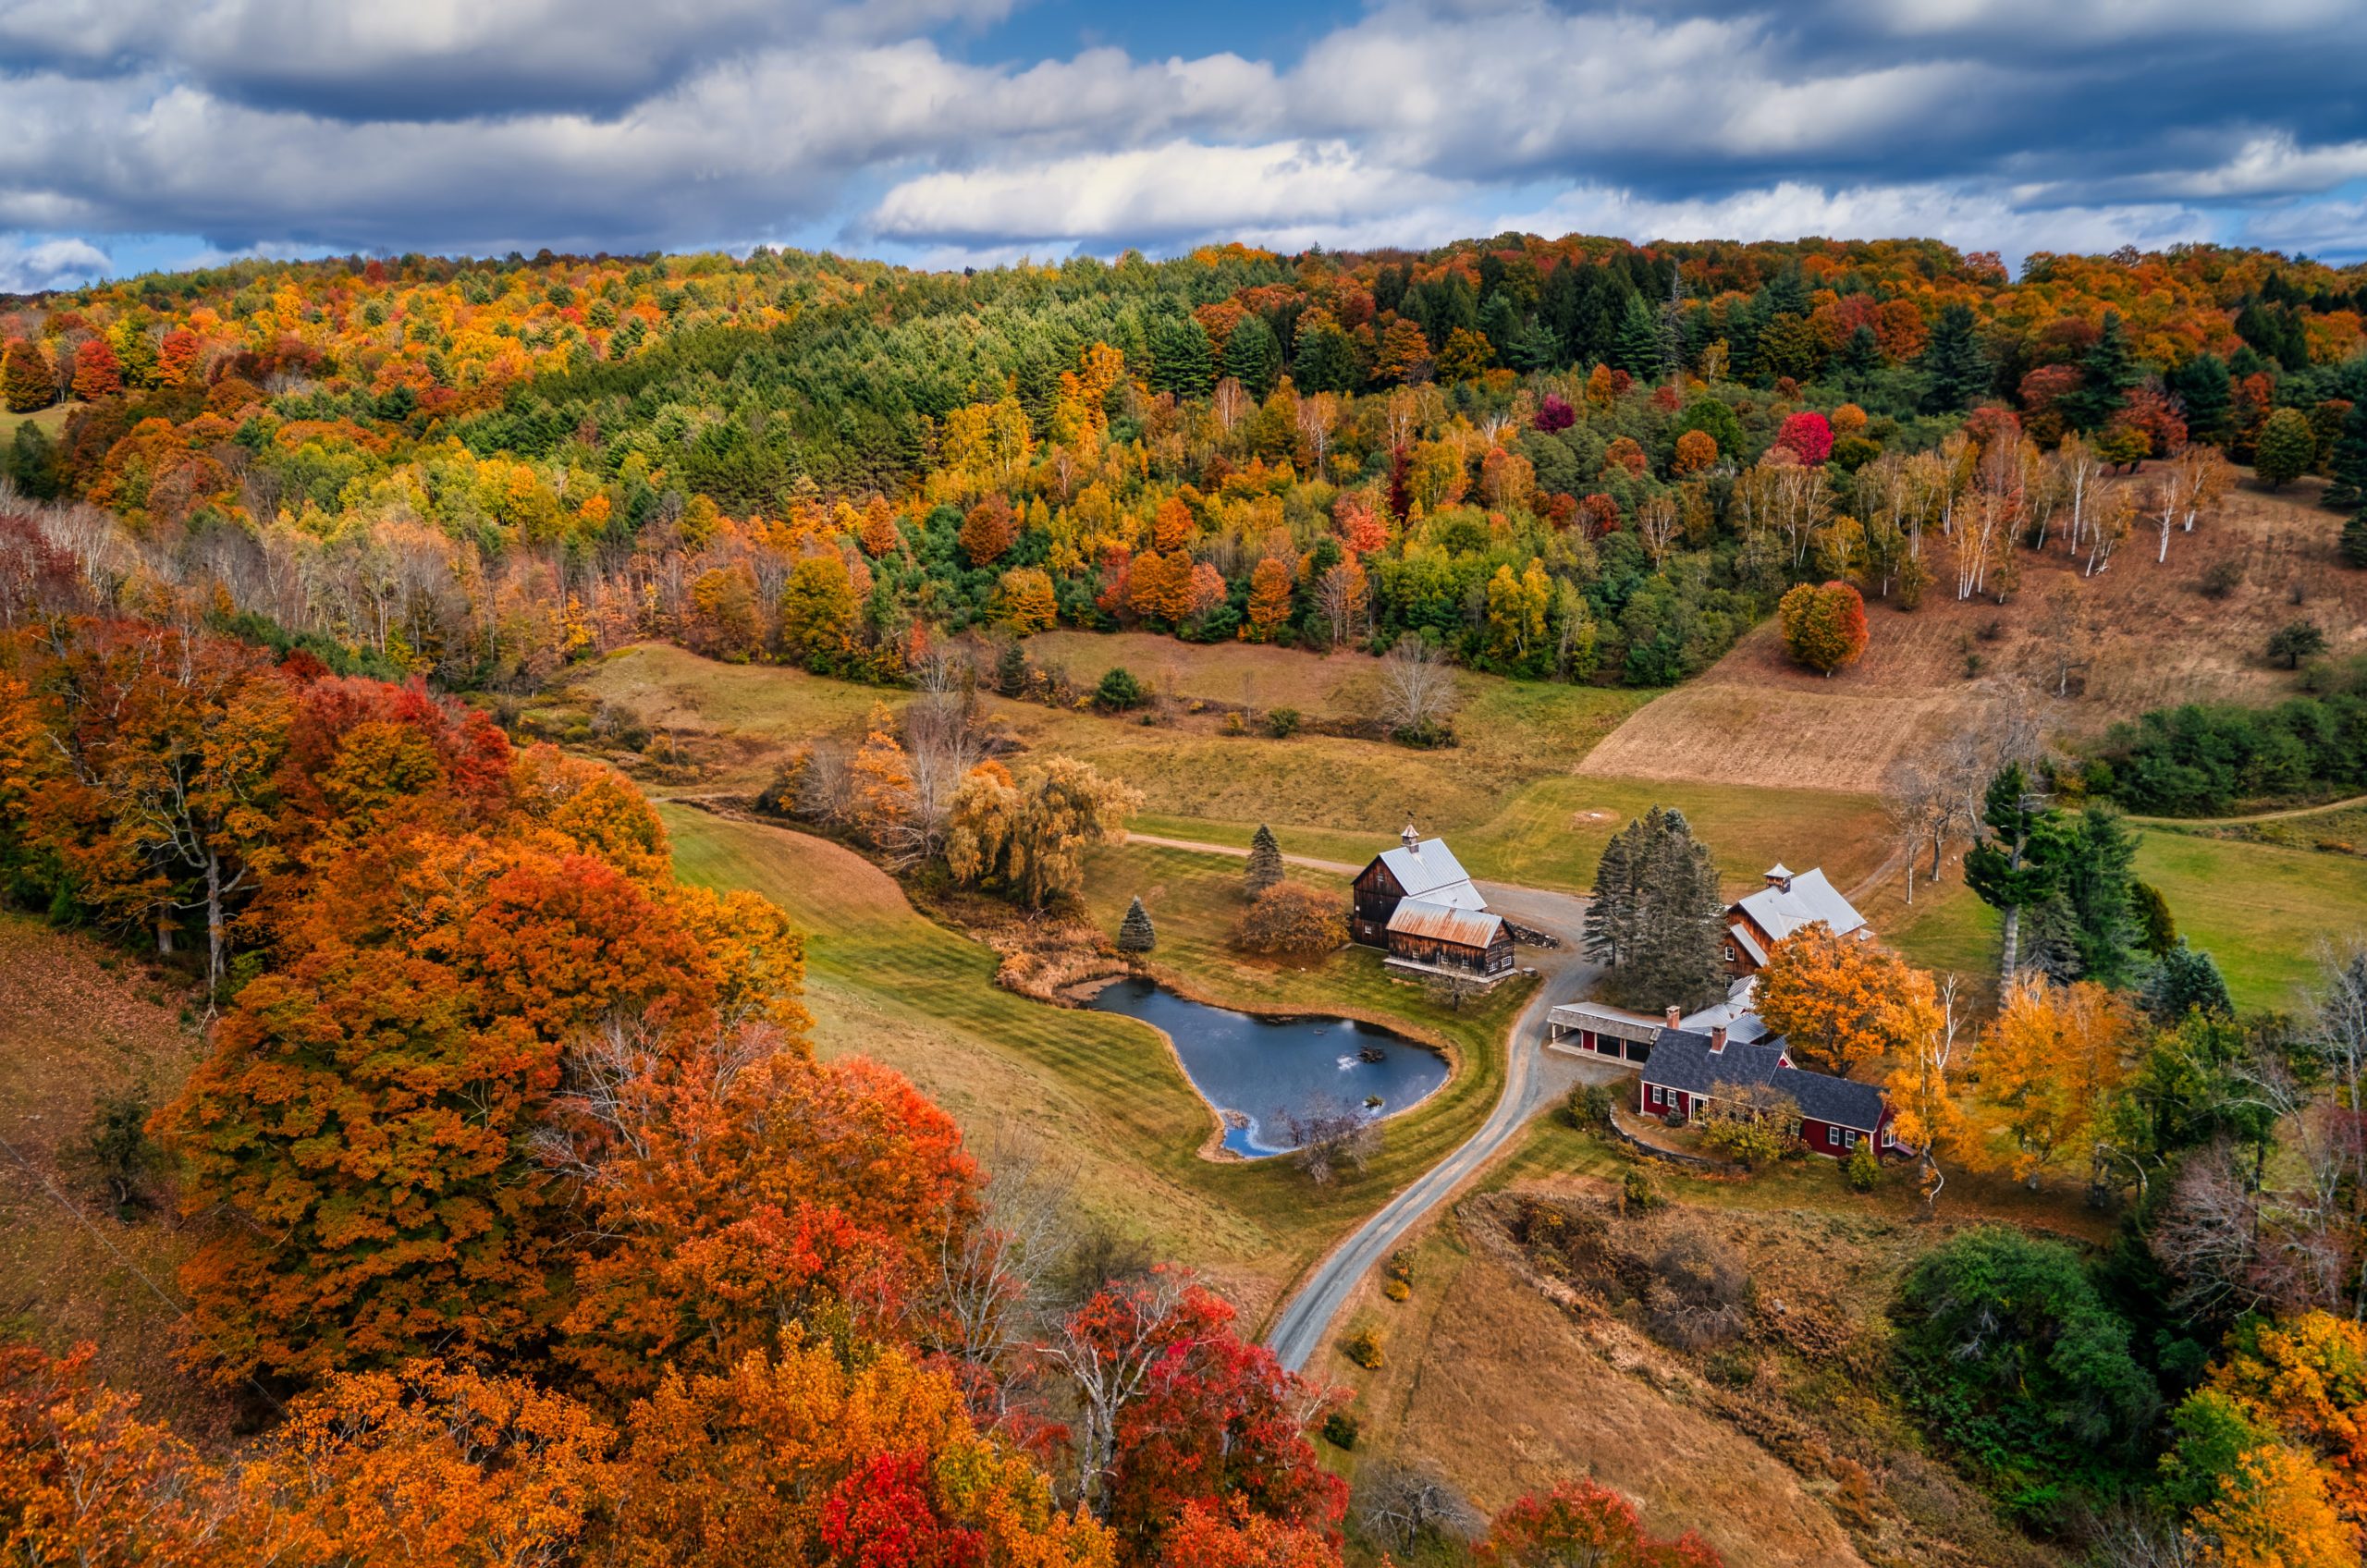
<point x="1397" y="1290"/>
<point x="1293" y="920"/>
<point x="1587" y="1105"/>
<point x="1119" y="689"/>
<point x="1635" y="1191"/>
<point x="1861" y="1170"/>
<point x="1363" y="1347"/>
<point x="1282" y="723"/>
<point x="1340" y="1429"/>
<point x="2221" y="579"/>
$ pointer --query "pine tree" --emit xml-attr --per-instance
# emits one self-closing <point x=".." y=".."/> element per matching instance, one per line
<point x="2287" y="448"/>
<point x="2347" y="468"/>
<point x="1637" y="350"/>
<point x="1134" y="934"/>
<point x="2018" y="865"/>
<point x="2158" y="933"/>
<point x="2099" y="883"/>
<point x="2051" y="940"/>
<point x="2354" y="539"/>
<point x="1610" y="913"/>
<point x="2184" y="981"/>
<point x="1954" y="370"/>
<point x="1861" y="357"/>
<point x="1253" y="356"/>
<point x="2107" y="370"/>
<point x="1264" y="863"/>
<point x="2202" y="388"/>
<point x="1181" y="362"/>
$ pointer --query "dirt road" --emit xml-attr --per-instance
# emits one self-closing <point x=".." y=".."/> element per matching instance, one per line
<point x="1533" y="1079"/>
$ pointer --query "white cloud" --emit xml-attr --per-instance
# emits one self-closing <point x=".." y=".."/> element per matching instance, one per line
<point x="1179" y="189"/>
<point x="27" y="268"/>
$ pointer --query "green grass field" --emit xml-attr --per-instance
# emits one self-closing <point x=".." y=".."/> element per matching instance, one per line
<point x="49" y="420"/>
<point x="1101" y="1090"/>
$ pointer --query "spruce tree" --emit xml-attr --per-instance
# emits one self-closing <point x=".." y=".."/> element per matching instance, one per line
<point x="2106" y="372"/>
<point x="2099" y="882"/>
<point x="2051" y="940"/>
<point x="2184" y="981"/>
<point x="1181" y="362"/>
<point x="1134" y="934"/>
<point x="2346" y="467"/>
<point x="1264" y="863"/>
<point x="1610" y="913"/>
<point x="2201" y="388"/>
<point x="2287" y="448"/>
<point x="1861" y="357"/>
<point x="2018" y="863"/>
<point x="1680" y="920"/>
<point x="1253" y="356"/>
<point x="2157" y="932"/>
<point x="1954" y="370"/>
<point x="1637" y="348"/>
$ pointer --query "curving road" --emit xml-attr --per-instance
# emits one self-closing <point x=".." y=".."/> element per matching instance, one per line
<point x="1532" y="1079"/>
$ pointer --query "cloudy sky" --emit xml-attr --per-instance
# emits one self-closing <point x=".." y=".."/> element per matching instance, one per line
<point x="146" y="133"/>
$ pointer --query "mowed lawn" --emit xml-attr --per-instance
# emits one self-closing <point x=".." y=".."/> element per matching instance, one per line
<point x="1101" y="1091"/>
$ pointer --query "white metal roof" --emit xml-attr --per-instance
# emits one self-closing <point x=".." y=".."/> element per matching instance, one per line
<point x="1428" y="869"/>
<point x="1782" y="911"/>
<point x="1737" y="1014"/>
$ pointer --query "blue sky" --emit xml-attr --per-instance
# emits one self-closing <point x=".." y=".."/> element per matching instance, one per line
<point x="147" y="133"/>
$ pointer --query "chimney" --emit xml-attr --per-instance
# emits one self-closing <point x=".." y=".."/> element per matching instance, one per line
<point x="1674" y="1018"/>
<point x="1413" y="841"/>
<point x="1717" y="1038"/>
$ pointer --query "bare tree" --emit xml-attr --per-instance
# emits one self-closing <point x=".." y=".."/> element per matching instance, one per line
<point x="1916" y="799"/>
<point x="1327" y="1133"/>
<point x="1417" y="687"/>
<point x="1401" y="1505"/>
<point x="1451" y="988"/>
<point x="1656" y="523"/>
<point x="985" y="1293"/>
<point x="1106" y="1364"/>
<point x="2067" y="635"/>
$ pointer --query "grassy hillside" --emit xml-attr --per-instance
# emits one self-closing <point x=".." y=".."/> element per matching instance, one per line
<point x="1098" y="1089"/>
<point x="79" y="1020"/>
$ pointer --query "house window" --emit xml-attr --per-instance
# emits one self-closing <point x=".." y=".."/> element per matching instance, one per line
<point x="1660" y="1096"/>
<point x="1731" y="954"/>
<point x="1832" y="1136"/>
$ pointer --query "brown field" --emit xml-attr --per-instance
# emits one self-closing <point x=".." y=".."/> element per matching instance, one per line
<point x="1756" y="718"/>
<point x="78" y="1019"/>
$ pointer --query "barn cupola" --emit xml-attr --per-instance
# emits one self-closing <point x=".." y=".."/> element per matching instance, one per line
<point x="1412" y="839"/>
<point x="1779" y="876"/>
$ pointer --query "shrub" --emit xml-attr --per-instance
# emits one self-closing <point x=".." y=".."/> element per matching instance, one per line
<point x="1293" y="920"/>
<point x="1119" y="689"/>
<point x="1282" y="723"/>
<point x="1636" y="1190"/>
<point x="1698" y="1295"/>
<point x="2221" y="578"/>
<point x="1587" y="1105"/>
<point x="1862" y="1170"/>
<point x="1340" y="1429"/>
<point x="1401" y="1266"/>
<point x="1363" y="1347"/>
<point x="2295" y="641"/>
<point x="1397" y="1290"/>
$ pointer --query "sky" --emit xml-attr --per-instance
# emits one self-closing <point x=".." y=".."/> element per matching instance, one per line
<point x="168" y="133"/>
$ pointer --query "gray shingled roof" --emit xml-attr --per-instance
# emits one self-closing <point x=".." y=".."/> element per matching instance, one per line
<point x="1681" y="1059"/>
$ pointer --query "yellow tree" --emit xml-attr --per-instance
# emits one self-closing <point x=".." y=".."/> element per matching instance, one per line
<point x="886" y="806"/>
<point x="1269" y="597"/>
<point x="2050" y="1062"/>
<point x="1922" y="1087"/>
<point x="1835" y="1000"/>
<point x="1027" y="604"/>
<point x="2272" y="1512"/>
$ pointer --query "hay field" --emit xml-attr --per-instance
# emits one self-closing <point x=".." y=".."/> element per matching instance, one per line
<point x="1756" y="719"/>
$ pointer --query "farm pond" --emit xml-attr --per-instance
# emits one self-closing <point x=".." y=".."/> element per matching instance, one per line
<point x="1260" y="1073"/>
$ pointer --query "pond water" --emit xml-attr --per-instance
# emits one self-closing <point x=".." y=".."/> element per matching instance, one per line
<point x="1260" y="1071"/>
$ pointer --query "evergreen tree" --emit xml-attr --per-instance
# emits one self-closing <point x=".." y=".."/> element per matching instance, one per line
<point x="1861" y="357"/>
<point x="2157" y="932"/>
<point x="2184" y="981"/>
<point x="1253" y="356"/>
<point x="1637" y="350"/>
<point x="26" y="380"/>
<point x="2106" y="372"/>
<point x="2347" y="468"/>
<point x="2287" y="448"/>
<point x="1954" y="369"/>
<point x="2201" y="388"/>
<point x="1611" y="915"/>
<point x="1135" y="933"/>
<point x="2018" y="863"/>
<point x="1657" y="919"/>
<point x="1264" y="863"/>
<point x="2099" y="882"/>
<point x="1181" y="359"/>
<point x="2353" y="546"/>
<point x="2051" y="940"/>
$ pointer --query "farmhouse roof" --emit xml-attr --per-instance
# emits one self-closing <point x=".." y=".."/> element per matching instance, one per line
<point x="1737" y="1013"/>
<point x="1428" y="870"/>
<point x="1682" y="1059"/>
<point x="1780" y="911"/>
<point x="1444" y="922"/>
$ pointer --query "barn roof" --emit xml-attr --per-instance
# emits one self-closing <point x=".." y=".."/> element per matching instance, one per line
<point x="1737" y="1012"/>
<point x="1428" y="870"/>
<point x="1682" y="1059"/>
<point x="1780" y="911"/>
<point x="1444" y="922"/>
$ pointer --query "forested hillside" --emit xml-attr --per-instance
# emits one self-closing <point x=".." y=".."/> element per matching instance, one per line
<point x="1578" y="458"/>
